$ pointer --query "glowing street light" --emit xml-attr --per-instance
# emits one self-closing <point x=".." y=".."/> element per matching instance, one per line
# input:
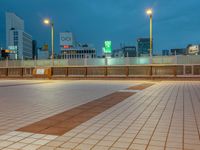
<point x="149" y="12"/>
<point x="49" y="22"/>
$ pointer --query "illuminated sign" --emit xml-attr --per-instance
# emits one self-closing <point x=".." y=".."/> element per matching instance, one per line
<point x="193" y="49"/>
<point x="66" y="46"/>
<point x="12" y="48"/>
<point x="66" y="38"/>
<point x="107" y="47"/>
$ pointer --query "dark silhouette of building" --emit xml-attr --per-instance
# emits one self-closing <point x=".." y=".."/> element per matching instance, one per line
<point x="126" y="51"/>
<point x="165" y="52"/>
<point x="34" y="49"/>
<point x="143" y="46"/>
<point x="178" y="51"/>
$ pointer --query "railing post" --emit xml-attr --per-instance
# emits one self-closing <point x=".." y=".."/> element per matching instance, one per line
<point x="176" y="59"/>
<point x="85" y="61"/>
<point x="127" y="71"/>
<point x="86" y="72"/>
<point x="7" y="62"/>
<point x="35" y="63"/>
<point x="127" y="61"/>
<point x="106" y="61"/>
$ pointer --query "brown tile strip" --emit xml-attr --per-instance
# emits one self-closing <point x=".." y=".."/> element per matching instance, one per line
<point x="141" y="86"/>
<point x="65" y="121"/>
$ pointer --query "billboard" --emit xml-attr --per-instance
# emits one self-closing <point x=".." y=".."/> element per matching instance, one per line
<point x="107" y="47"/>
<point x="66" y="38"/>
<point x="194" y="49"/>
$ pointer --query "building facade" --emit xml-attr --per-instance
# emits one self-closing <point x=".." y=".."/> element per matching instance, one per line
<point x="71" y="50"/>
<point x="17" y="39"/>
<point x="79" y="52"/>
<point x="126" y="51"/>
<point x="34" y="50"/>
<point x="193" y="49"/>
<point x="178" y="51"/>
<point x="165" y="52"/>
<point x="143" y="47"/>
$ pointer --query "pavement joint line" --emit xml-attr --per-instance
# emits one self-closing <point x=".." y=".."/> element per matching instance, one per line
<point x="160" y="118"/>
<point x="165" y="146"/>
<point x="24" y="84"/>
<point x="193" y="109"/>
<point x="133" y="91"/>
<point x="146" y="120"/>
<point x="183" y="139"/>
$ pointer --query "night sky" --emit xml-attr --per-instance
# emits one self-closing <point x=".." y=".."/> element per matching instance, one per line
<point x="176" y="22"/>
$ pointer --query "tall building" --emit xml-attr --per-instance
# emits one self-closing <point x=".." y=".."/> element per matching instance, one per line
<point x="17" y="39"/>
<point x="143" y="46"/>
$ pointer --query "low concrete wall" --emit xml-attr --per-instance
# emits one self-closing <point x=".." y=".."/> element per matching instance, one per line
<point x="143" y="71"/>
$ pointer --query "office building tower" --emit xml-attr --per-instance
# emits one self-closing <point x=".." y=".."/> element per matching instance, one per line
<point x="17" y="39"/>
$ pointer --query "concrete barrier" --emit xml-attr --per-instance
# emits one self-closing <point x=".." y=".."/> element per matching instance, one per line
<point x="142" y="71"/>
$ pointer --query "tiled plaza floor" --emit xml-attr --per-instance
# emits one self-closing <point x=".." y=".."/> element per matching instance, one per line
<point x="165" y="116"/>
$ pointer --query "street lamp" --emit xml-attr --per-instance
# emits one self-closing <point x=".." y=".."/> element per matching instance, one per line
<point x="49" y="22"/>
<point x="149" y="12"/>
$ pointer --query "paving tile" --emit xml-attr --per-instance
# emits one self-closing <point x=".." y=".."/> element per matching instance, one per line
<point x="28" y="140"/>
<point x="83" y="147"/>
<point x="5" y="143"/>
<point x="15" y="139"/>
<point x="69" y="145"/>
<point x="55" y="143"/>
<point x="46" y="148"/>
<point x="41" y="142"/>
<point x="60" y="124"/>
<point x="17" y="145"/>
<point x="106" y="143"/>
<point x="98" y="147"/>
<point x="31" y="147"/>
<point x="137" y="146"/>
<point x="147" y="120"/>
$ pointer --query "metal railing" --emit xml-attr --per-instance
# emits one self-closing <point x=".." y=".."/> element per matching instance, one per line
<point x="195" y="59"/>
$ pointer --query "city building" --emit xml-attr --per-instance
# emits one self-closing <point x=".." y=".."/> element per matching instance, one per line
<point x="143" y="46"/>
<point x="71" y="50"/>
<point x="165" y="52"/>
<point x="34" y="49"/>
<point x="43" y="54"/>
<point x="126" y="51"/>
<point x="178" y="51"/>
<point x="79" y="52"/>
<point x="17" y="39"/>
<point x="193" y="49"/>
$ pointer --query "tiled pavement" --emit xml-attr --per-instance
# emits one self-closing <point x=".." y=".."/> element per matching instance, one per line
<point x="165" y="116"/>
<point x="23" y="102"/>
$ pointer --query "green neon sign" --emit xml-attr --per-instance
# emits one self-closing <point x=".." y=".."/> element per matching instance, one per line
<point x="107" y="47"/>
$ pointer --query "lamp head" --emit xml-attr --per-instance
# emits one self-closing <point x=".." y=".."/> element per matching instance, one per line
<point x="46" y="21"/>
<point x="149" y="11"/>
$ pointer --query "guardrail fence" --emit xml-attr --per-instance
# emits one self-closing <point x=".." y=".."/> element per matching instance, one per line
<point x="194" y="59"/>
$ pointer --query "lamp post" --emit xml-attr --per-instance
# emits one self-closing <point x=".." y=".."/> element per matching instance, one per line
<point x="150" y="14"/>
<point x="48" y="22"/>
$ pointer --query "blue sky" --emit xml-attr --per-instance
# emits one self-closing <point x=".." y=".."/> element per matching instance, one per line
<point x="176" y="22"/>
